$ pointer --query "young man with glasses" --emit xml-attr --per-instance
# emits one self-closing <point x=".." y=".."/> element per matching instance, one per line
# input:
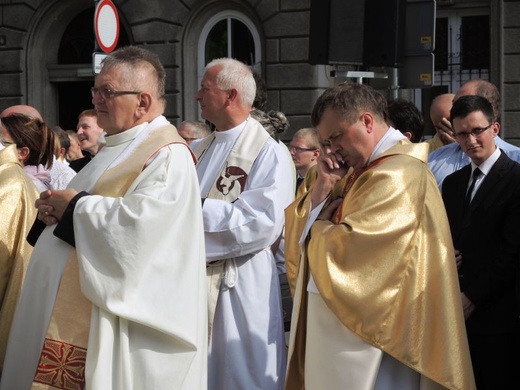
<point x="305" y="150"/>
<point x="451" y="157"/>
<point x="483" y="205"/>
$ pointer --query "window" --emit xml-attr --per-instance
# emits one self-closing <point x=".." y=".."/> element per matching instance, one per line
<point x="462" y="49"/>
<point x="229" y="34"/>
<point x="462" y="53"/>
<point x="230" y="38"/>
<point x="474" y="38"/>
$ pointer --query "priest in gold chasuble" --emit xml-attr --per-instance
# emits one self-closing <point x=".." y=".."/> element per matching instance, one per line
<point x="17" y="196"/>
<point x="371" y="261"/>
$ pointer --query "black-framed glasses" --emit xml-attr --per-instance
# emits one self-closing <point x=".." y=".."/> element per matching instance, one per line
<point x="107" y="93"/>
<point x="297" y="149"/>
<point x="476" y="132"/>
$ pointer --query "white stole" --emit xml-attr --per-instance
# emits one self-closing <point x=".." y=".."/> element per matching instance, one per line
<point x="228" y="186"/>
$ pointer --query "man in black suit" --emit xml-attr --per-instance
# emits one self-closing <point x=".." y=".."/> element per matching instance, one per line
<point x="483" y="205"/>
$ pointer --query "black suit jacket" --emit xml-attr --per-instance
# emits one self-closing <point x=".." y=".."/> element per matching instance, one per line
<point x="488" y="237"/>
<point x="78" y="164"/>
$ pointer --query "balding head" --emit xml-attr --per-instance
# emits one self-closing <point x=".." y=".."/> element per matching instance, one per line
<point x="29" y="111"/>
<point x="440" y="108"/>
<point x="485" y="89"/>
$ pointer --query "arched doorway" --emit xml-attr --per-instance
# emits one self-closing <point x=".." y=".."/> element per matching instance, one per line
<point x="76" y="48"/>
<point x="58" y="59"/>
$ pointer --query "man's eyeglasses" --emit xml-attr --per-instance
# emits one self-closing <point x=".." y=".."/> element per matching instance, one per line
<point x="107" y="93"/>
<point x="297" y="149"/>
<point x="476" y="132"/>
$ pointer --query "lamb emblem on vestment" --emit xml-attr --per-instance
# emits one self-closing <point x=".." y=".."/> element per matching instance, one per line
<point x="232" y="175"/>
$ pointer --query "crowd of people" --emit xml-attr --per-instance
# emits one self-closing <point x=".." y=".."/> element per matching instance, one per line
<point x="138" y="255"/>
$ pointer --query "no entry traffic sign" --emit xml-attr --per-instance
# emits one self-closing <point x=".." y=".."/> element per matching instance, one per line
<point x="106" y="25"/>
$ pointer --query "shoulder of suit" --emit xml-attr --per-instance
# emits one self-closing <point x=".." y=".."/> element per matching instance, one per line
<point x="454" y="176"/>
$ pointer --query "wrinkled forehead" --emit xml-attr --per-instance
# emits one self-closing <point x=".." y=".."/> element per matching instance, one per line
<point x="110" y="75"/>
<point x="331" y="124"/>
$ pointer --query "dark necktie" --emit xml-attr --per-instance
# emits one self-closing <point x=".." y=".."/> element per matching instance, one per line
<point x="476" y="174"/>
<point x="299" y="181"/>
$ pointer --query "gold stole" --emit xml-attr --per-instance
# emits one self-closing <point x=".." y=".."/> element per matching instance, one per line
<point x="228" y="187"/>
<point x="62" y="361"/>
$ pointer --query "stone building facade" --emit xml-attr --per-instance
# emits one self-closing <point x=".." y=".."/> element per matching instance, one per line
<point x="46" y="46"/>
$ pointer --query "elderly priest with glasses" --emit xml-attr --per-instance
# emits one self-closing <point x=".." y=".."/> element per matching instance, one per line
<point x="115" y="296"/>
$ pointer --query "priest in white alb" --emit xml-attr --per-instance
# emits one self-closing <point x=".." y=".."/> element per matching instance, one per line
<point x="246" y="182"/>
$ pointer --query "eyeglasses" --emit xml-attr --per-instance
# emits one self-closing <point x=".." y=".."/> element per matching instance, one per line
<point x="297" y="149"/>
<point x="107" y="93"/>
<point x="476" y="132"/>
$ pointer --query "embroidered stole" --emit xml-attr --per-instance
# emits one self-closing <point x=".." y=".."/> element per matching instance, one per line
<point x="227" y="187"/>
<point x="62" y="361"/>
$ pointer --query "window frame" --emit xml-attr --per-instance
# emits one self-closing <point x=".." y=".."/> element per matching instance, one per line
<point x="208" y="26"/>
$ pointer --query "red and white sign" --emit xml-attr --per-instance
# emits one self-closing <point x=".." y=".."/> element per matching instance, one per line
<point x="106" y="25"/>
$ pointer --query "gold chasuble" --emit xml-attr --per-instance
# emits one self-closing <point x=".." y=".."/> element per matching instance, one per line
<point x="386" y="269"/>
<point x="62" y="361"/>
<point x="228" y="186"/>
<point x="17" y="196"/>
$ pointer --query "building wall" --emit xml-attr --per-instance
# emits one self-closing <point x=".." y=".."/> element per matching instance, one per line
<point x="30" y="32"/>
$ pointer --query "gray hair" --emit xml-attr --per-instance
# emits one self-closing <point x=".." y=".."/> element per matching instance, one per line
<point x="237" y="75"/>
<point x="137" y="57"/>
<point x="197" y="129"/>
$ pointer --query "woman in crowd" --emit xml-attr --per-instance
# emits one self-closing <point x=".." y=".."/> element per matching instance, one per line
<point x="34" y="142"/>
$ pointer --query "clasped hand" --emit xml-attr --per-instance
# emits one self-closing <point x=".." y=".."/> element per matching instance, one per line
<point x="52" y="204"/>
<point x="331" y="169"/>
<point x="445" y="131"/>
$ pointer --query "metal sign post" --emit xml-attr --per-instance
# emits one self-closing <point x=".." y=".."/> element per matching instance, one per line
<point x="106" y="28"/>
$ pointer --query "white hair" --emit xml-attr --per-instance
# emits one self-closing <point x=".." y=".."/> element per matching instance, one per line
<point x="237" y="75"/>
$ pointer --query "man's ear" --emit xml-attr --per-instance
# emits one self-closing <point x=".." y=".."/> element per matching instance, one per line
<point x="408" y="135"/>
<point x="496" y="128"/>
<point x="368" y="120"/>
<point x="232" y="94"/>
<point x="23" y="154"/>
<point x="145" y="102"/>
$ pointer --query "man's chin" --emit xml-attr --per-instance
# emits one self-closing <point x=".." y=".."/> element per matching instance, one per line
<point x="477" y="156"/>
